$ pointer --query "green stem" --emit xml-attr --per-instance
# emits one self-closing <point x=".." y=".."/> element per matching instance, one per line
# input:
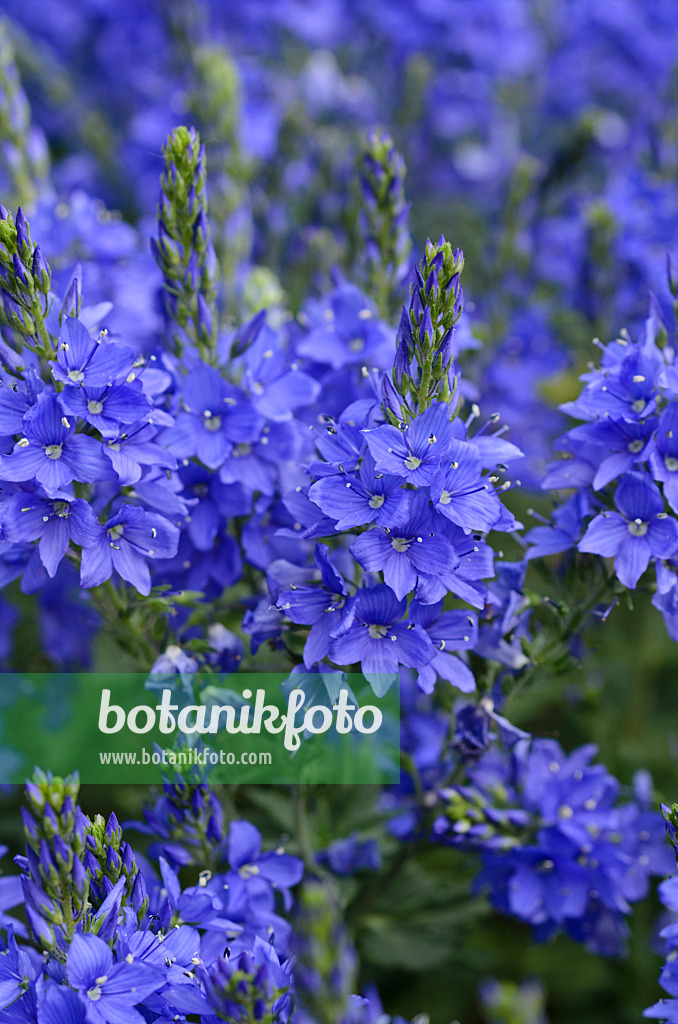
<point x="45" y="338"/>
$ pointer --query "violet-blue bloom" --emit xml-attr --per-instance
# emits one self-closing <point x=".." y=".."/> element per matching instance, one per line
<point x="626" y="441"/>
<point x="448" y="631"/>
<point x="54" y="521"/>
<point x="250" y="865"/>
<point x="639" y="531"/>
<point x="403" y="552"/>
<point x="130" y="449"/>
<point x="460" y="493"/>
<point x="106" y="408"/>
<point x="356" y="501"/>
<point x="110" y="991"/>
<point x="127" y="541"/>
<point x="214" y="418"/>
<point x="328" y="609"/>
<point x="664" y="459"/>
<point x="344" y="330"/>
<point x="277" y="385"/>
<point x="416" y="451"/>
<point x="83" y="360"/>
<point x="52" y="453"/>
<point x="566" y="529"/>
<point x="381" y="639"/>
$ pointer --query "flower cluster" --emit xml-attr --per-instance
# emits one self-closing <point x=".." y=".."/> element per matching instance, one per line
<point x="92" y="423"/>
<point x="224" y="451"/>
<point x="146" y="948"/>
<point x="402" y="508"/>
<point x="558" y="849"/>
<point x="622" y="462"/>
<point x="667" y="1008"/>
<point x="118" y="937"/>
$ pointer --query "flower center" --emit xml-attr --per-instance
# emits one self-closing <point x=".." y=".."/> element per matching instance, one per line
<point x="377" y="632"/>
<point x="95" y="407"/>
<point x="116" y="531"/>
<point x="248" y="870"/>
<point x="671" y="463"/>
<point x="61" y="509"/>
<point x="241" y="449"/>
<point x="376" y="501"/>
<point x="412" y="462"/>
<point x="400" y="543"/>
<point x="638" y="528"/>
<point x="53" y="451"/>
<point x="210" y="422"/>
<point x="639" y="405"/>
<point x="76" y="375"/>
<point x="356" y="344"/>
<point x="94" y="993"/>
<point x="445" y="498"/>
<point x="635" y="446"/>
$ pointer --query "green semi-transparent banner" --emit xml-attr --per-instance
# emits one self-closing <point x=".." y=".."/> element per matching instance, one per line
<point x="124" y="728"/>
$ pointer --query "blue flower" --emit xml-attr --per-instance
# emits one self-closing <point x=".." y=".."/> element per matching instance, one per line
<point x="263" y="622"/>
<point x="213" y="419"/>
<point x="209" y="499"/>
<point x="346" y="856"/>
<point x="126" y="542"/>
<point x="460" y="493"/>
<point x="52" y="453"/>
<point x="664" y="459"/>
<point x="109" y="990"/>
<point x="210" y="570"/>
<point x="507" y="617"/>
<point x="557" y="848"/>
<point x="83" y="360"/>
<point x="130" y="449"/>
<point x="666" y="597"/>
<point x="106" y="408"/>
<point x="667" y="1009"/>
<point x="54" y="521"/>
<point x="405" y="551"/>
<point x="251" y="982"/>
<point x="415" y="452"/>
<point x="248" y="862"/>
<point x="356" y="501"/>
<point x="448" y="631"/>
<point x="225" y="649"/>
<point x="380" y="640"/>
<point x="341" y="442"/>
<point x="566" y="529"/>
<point x="472" y="733"/>
<point x="277" y="386"/>
<point x="624" y="386"/>
<point x="257" y="465"/>
<point x="16" y="398"/>
<point x="16" y="970"/>
<point x="345" y="331"/>
<point x="62" y="1005"/>
<point x="627" y="440"/>
<point x="466" y="580"/>
<point x="327" y="609"/>
<point x="640" y="530"/>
